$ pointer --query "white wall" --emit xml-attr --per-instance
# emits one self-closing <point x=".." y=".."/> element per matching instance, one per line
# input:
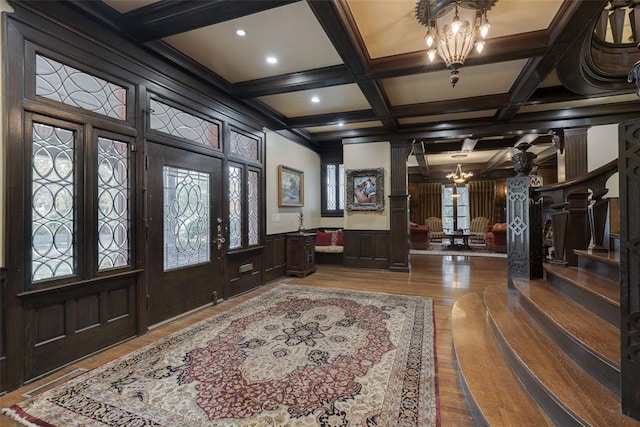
<point x="369" y="156"/>
<point x="602" y="147"/>
<point x="4" y="7"/>
<point x="281" y="151"/>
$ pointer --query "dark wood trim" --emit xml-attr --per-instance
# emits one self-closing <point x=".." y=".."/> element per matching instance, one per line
<point x="332" y="119"/>
<point x="312" y="79"/>
<point x="629" y="169"/>
<point x="334" y="18"/>
<point x="564" y="32"/>
<point x="498" y="49"/>
<point x="168" y="17"/>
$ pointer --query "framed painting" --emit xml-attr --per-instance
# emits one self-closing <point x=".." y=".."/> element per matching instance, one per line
<point x="365" y="189"/>
<point x="290" y="186"/>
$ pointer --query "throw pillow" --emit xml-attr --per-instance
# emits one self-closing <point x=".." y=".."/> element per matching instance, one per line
<point x="340" y="238"/>
<point x="323" y="239"/>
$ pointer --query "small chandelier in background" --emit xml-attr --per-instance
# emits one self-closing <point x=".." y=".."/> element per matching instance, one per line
<point x="453" y="26"/>
<point x="458" y="176"/>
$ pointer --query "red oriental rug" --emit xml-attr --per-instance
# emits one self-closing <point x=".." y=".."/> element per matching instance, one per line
<point x="293" y="356"/>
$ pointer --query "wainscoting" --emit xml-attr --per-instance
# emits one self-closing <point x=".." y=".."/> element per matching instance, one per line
<point x="62" y="325"/>
<point x="366" y="248"/>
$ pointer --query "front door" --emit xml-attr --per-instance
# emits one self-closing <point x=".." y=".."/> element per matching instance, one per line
<point x="184" y="209"/>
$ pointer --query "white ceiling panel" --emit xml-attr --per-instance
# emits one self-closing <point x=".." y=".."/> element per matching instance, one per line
<point x="333" y="99"/>
<point x="288" y="33"/>
<point x="474" y="81"/>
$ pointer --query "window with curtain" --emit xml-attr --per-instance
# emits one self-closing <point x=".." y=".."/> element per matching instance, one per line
<point x="482" y="199"/>
<point x="455" y="208"/>
<point x="425" y="201"/>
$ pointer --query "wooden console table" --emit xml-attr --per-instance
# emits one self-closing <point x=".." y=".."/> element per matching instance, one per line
<point x="301" y="254"/>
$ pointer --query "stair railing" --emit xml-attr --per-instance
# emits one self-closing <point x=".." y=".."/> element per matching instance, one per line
<point x="578" y="212"/>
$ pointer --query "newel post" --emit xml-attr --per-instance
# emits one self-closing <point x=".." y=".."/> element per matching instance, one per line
<point x="524" y="220"/>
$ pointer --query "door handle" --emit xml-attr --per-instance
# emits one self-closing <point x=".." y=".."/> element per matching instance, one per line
<point x="220" y="238"/>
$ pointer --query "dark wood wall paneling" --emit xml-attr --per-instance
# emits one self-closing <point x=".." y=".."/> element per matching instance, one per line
<point x="3" y="335"/>
<point x="244" y="271"/>
<point x="366" y="248"/>
<point x="67" y="324"/>
<point x="274" y="257"/>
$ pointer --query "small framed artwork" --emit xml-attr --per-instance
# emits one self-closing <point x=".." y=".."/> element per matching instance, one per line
<point x="290" y="186"/>
<point x="365" y="189"/>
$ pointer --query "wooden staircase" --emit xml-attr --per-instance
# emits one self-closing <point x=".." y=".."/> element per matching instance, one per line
<point x="546" y="353"/>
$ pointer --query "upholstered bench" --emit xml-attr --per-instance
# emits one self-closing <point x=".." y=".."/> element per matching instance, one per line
<point x="329" y="247"/>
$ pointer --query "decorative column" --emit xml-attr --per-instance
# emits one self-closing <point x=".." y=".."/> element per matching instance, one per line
<point x="524" y="220"/>
<point x="399" y="207"/>
<point x="629" y="170"/>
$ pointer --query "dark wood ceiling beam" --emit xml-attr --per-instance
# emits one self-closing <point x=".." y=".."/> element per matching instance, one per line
<point x="305" y="80"/>
<point x="573" y="19"/>
<point x="338" y="24"/>
<point x="497" y="160"/>
<point x="418" y="150"/>
<point x="460" y="105"/>
<point x="168" y="17"/>
<point x="499" y="49"/>
<point x="481" y="145"/>
<point x="539" y="122"/>
<point x="332" y="119"/>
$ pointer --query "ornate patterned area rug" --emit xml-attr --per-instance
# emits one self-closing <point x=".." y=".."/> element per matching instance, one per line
<point x="293" y="356"/>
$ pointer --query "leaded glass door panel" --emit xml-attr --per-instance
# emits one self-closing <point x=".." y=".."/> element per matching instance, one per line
<point x="184" y="203"/>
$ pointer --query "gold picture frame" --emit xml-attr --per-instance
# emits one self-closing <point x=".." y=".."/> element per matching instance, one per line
<point x="290" y="187"/>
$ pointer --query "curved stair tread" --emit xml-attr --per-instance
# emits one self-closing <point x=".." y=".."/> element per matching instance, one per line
<point x="595" y="334"/>
<point x="497" y="392"/>
<point x="612" y="258"/>
<point x="569" y="386"/>
<point x="597" y="285"/>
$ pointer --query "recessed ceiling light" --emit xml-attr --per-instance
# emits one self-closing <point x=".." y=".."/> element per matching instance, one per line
<point x="272" y="60"/>
<point x="340" y="123"/>
<point x="240" y="32"/>
<point x="315" y="99"/>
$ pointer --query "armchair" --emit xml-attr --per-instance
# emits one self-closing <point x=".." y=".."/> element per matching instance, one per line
<point x="435" y="228"/>
<point x="478" y="229"/>
<point x="497" y="238"/>
<point x="418" y="236"/>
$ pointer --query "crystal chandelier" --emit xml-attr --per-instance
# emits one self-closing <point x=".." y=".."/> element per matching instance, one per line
<point x="453" y="26"/>
<point x="458" y="176"/>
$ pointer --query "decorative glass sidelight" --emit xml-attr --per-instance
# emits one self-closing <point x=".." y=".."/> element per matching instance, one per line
<point x="187" y="226"/>
<point x="172" y="121"/>
<point x="70" y="86"/>
<point x="332" y="187"/>
<point x="113" y="204"/>
<point x="53" y="215"/>
<point x="254" y="207"/>
<point x="244" y="146"/>
<point x="235" y="207"/>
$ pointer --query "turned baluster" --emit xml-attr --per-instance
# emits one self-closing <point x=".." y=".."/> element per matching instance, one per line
<point x="597" y="210"/>
<point x="559" y="222"/>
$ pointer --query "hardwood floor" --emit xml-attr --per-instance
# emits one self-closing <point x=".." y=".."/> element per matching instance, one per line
<point x="442" y="278"/>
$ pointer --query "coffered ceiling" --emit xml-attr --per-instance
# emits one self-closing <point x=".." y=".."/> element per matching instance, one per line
<point x="365" y="62"/>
